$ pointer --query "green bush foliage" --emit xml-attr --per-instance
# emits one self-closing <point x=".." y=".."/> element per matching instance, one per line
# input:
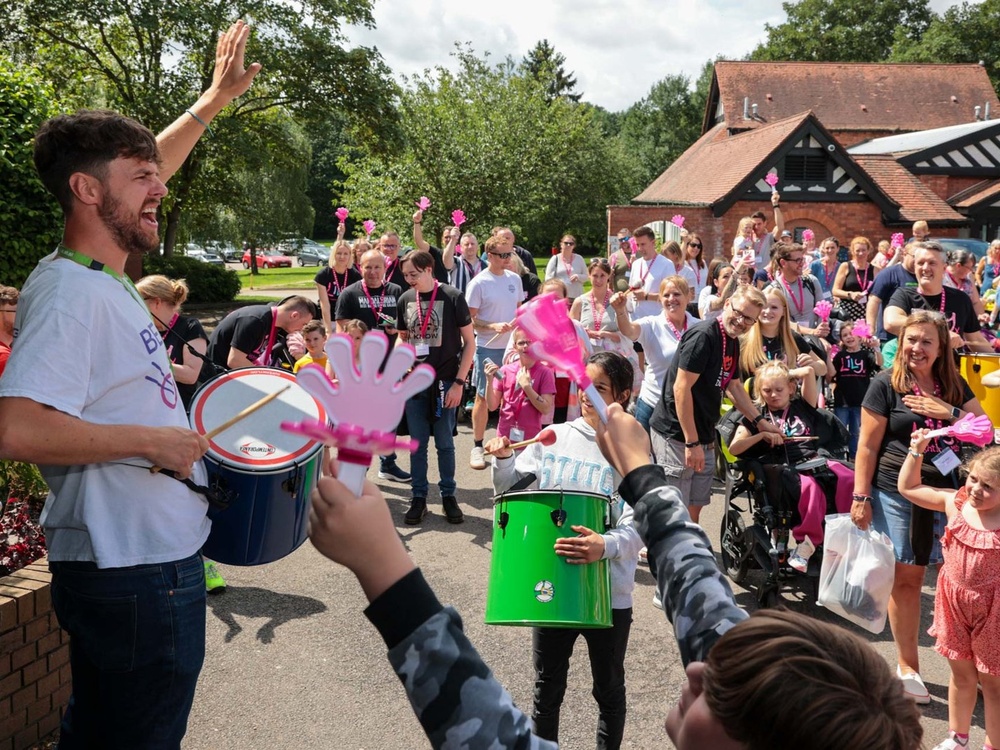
<point x="209" y="284"/>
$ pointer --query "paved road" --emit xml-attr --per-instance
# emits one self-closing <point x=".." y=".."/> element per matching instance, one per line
<point x="293" y="663"/>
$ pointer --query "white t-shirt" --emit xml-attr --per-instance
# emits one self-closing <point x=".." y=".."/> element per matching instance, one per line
<point x="695" y="276"/>
<point x="704" y="299"/>
<point x="87" y="347"/>
<point x="557" y="268"/>
<point x="659" y="343"/>
<point x="648" y="276"/>
<point x="494" y="298"/>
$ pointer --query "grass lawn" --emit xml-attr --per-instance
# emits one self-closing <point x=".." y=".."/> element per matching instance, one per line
<point x="294" y="277"/>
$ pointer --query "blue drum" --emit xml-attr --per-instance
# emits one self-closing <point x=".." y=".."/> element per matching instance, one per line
<point x="266" y="472"/>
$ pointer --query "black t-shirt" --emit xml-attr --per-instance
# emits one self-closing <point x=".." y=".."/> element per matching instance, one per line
<point x="699" y="351"/>
<point x="335" y="283"/>
<point x="886" y="283"/>
<point x="175" y="339"/>
<point x="774" y="349"/>
<point x="353" y="303"/>
<point x="958" y="307"/>
<point x="799" y="421"/>
<point x="882" y="400"/>
<point x="531" y="285"/>
<point x="441" y="273"/>
<point x="450" y="313"/>
<point x="853" y="372"/>
<point x="247" y="330"/>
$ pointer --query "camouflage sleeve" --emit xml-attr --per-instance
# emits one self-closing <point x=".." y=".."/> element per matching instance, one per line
<point x="696" y="597"/>
<point x="453" y="693"/>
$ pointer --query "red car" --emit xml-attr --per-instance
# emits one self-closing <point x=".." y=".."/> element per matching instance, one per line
<point x="268" y="259"/>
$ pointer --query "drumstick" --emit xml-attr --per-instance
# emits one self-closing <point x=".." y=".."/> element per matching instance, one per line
<point x="496" y="336"/>
<point x="545" y="437"/>
<point x="801" y="439"/>
<point x="239" y="417"/>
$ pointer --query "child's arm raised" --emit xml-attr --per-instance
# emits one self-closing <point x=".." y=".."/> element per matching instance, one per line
<point x="909" y="485"/>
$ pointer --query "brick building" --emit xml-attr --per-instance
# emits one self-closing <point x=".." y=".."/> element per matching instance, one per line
<point x="857" y="148"/>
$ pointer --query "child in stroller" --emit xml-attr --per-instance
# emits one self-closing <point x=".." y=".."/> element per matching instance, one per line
<point x="792" y="479"/>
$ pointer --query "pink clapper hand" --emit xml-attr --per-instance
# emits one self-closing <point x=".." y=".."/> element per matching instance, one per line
<point x="458" y="217"/>
<point x="547" y="321"/>
<point x="341" y="214"/>
<point x="772" y="179"/>
<point x="369" y="226"/>
<point x="822" y="309"/>
<point x="364" y="406"/>
<point x="977" y="430"/>
<point x="861" y="330"/>
<point x="424" y="203"/>
<point x="677" y="220"/>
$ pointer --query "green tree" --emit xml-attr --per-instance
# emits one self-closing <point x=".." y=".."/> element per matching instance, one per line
<point x="843" y="30"/>
<point x="150" y="59"/>
<point x="30" y="219"/>
<point x="663" y="124"/>
<point x="967" y="33"/>
<point x="488" y="140"/>
<point x="548" y="67"/>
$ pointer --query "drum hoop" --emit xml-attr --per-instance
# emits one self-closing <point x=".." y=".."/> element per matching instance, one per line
<point x="302" y="460"/>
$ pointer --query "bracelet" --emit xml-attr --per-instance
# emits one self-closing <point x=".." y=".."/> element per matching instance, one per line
<point x="758" y="418"/>
<point x="692" y="445"/>
<point x="418" y="222"/>
<point x="912" y="452"/>
<point x="861" y="498"/>
<point x="200" y="122"/>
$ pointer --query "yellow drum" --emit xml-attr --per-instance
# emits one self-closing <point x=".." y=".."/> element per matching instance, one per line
<point x="974" y="368"/>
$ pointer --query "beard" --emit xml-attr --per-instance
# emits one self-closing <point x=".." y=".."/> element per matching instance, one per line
<point x="126" y="230"/>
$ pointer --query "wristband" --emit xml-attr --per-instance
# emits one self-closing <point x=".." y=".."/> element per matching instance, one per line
<point x="758" y="419"/>
<point x="692" y="445"/>
<point x="200" y="122"/>
<point x="914" y="453"/>
<point x="861" y="498"/>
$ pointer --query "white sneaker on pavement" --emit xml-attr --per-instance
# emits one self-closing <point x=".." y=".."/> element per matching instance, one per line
<point x="913" y="686"/>
<point x="478" y="458"/>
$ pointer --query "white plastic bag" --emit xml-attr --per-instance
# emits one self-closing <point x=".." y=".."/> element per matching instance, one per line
<point x="855" y="580"/>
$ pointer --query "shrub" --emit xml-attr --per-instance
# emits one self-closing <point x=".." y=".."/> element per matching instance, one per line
<point x="22" y="494"/>
<point x="209" y="284"/>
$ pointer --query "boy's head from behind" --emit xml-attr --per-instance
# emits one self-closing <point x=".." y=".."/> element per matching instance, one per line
<point x="784" y="680"/>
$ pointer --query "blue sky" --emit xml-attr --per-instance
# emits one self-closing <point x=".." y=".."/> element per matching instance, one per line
<point x="617" y="50"/>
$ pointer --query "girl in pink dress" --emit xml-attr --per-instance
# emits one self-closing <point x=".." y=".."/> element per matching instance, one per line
<point x="967" y="605"/>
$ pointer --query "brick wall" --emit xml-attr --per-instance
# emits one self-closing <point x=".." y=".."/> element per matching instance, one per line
<point x="34" y="659"/>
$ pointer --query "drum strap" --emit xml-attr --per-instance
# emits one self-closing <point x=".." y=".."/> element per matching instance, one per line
<point x="217" y="498"/>
<point x="523" y="483"/>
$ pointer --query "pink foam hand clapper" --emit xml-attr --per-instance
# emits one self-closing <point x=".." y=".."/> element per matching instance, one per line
<point x="546" y="320"/>
<point x="341" y="214"/>
<point x="634" y="246"/>
<point x="977" y="430"/>
<point x="678" y="221"/>
<point x="458" y="217"/>
<point x="897" y="240"/>
<point x="363" y="405"/>
<point x="861" y="329"/>
<point x="424" y="203"/>
<point x="771" y="178"/>
<point x="823" y="308"/>
<point x="808" y="235"/>
<point x="369" y="226"/>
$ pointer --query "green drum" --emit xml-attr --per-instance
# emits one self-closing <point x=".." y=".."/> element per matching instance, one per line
<point x="529" y="583"/>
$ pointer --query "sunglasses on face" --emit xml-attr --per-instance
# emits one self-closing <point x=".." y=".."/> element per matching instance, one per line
<point x="502" y="255"/>
<point x="569" y="243"/>
<point x="695" y="244"/>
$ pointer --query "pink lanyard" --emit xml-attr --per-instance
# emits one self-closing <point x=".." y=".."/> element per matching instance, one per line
<point x="726" y="374"/>
<point x="828" y="277"/>
<point x="389" y="266"/>
<point x="779" y="423"/>
<point x="933" y="424"/>
<point x="642" y="276"/>
<point x="599" y="310"/>
<point x="265" y="358"/>
<point x="697" y="271"/>
<point x="801" y="304"/>
<point x="569" y="268"/>
<point x="371" y="302"/>
<point x="430" y="311"/>
<point x="863" y="284"/>
<point x="336" y="282"/>
<point x="468" y="270"/>
<point x="678" y="334"/>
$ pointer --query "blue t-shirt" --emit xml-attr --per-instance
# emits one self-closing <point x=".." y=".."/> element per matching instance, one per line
<point x="887" y="282"/>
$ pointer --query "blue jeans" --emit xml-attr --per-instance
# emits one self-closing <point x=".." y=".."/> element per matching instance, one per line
<point x="136" y="649"/>
<point x="643" y="413"/>
<point x="418" y="417"/>
<point x="851" y="417"/>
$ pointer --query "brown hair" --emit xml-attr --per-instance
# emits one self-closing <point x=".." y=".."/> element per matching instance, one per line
<point x="164" y="289"/>
<point x="354" y="324"/>
<point x="645" y="232"/>
<point x="987" y="462"/>
<point x="314" y="325"/>
<point x="700" y="259"/>
<point x="87" y="142"/>
<point x="672" y="251"/>
<point x="781" y="680"/>
<point x="8" y="295"/>
<point x="493" y="243"/>
<point x="943" y="369"/>
<point x="421" y="260"/>
<point x="556" y="284"/>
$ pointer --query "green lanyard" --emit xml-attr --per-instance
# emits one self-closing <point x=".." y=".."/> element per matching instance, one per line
<point x="94" y="265"/>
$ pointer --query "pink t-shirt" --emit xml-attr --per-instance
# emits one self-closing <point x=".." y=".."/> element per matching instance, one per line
<point x="515" y="409"/>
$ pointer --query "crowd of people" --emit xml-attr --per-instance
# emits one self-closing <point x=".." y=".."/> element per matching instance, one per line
<point x="669" y="331"/>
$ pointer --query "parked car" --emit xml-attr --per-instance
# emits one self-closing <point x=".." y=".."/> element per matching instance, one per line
<point x="268" y="259"/>
<point x="314" y="254"/>
<point x="193" y="251"/>
<point x="978" y="247"/>
<point x="226" y="250"/>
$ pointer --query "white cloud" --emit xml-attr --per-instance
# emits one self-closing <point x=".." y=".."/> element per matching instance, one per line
<point x="617" y="50"/>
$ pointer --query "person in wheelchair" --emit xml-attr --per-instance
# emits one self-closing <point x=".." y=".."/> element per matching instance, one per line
<point x="802" y="482"/>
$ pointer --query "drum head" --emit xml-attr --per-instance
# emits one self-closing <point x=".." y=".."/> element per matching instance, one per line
<point x="257" y="443"/>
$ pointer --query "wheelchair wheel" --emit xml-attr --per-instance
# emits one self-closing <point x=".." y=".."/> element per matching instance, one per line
<point x="735" y="549"/>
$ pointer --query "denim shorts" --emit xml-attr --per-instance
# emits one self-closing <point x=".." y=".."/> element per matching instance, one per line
<point x="891" y="515"/>
<point x="478" y="376"/>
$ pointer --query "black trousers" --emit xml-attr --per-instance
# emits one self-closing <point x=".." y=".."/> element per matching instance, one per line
<point x="553" y="648"/>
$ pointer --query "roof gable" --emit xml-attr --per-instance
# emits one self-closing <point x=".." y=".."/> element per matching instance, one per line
<point x="970" y="150"/>
<point x="890" y="97"/>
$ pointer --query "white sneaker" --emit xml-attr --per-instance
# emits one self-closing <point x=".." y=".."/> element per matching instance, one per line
<point x="657" y="602"/>
<point x="643" y="557"/>
<point x="951" y="743"/>
<point x="478" y="458"/>
<point x="913" y="686"/>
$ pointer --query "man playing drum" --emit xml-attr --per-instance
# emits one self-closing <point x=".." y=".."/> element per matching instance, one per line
<point x="128" y="583"/>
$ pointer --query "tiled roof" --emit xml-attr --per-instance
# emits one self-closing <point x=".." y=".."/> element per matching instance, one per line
<point x="916" y="200"/>
<point x="714" y="166"/>
<point x="981" y="192"/>
<point x="920" y="140"/>
<point x="886" y="97"/>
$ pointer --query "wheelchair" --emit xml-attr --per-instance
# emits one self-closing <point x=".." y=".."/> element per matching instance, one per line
<point x="756" y="525"/>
